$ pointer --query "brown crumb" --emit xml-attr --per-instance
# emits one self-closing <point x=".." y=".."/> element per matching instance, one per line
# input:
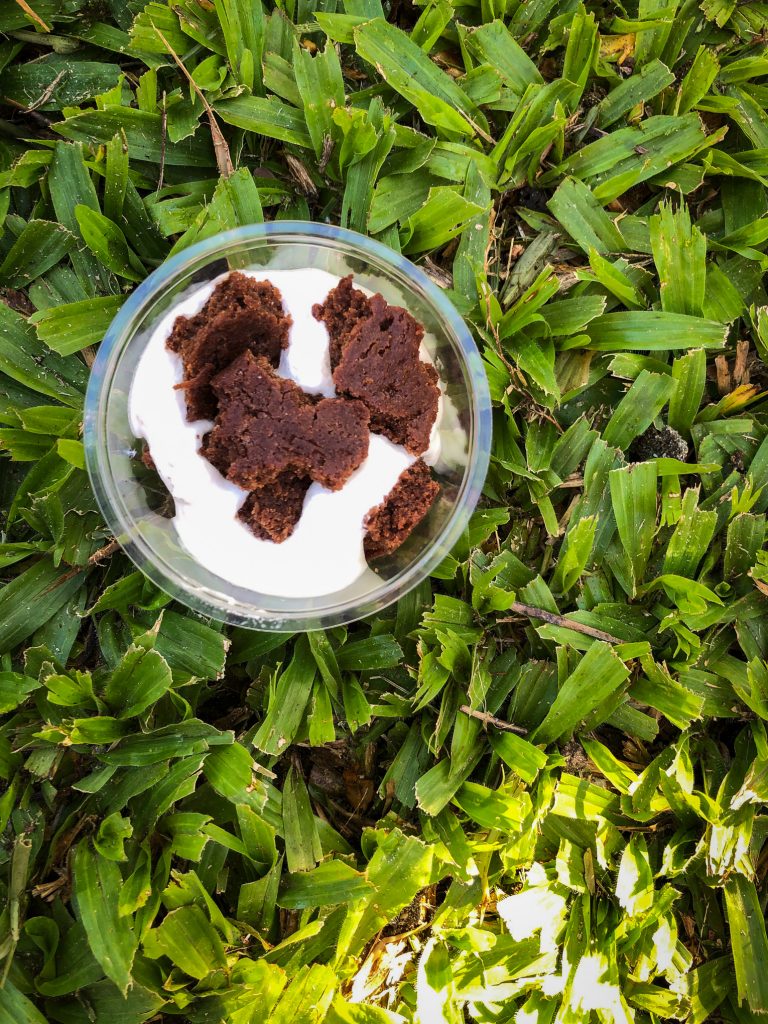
<point x="378" y="362"/>
<point x="392" y="522"/>
<point x="268" y="426"/>
<point x="381" y="367"/>
<point x="241" y="315"/>
<point x="272" y="512"/>
<point x="146" y="458"/>
<point x="343" y="308"/>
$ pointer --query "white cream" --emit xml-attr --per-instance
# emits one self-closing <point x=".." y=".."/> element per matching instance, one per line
<point x="307" y="359"/>
<point x="324" y="554"/>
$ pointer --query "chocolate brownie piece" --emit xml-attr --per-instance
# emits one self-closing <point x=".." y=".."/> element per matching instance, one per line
<point x="379" y="364"/>
<point x="267" y="426"/>
<point x="241" y="315"/>
<point x="389" y="524"/>
<point x="271" y="512"/>
<point x="344" y="307"/>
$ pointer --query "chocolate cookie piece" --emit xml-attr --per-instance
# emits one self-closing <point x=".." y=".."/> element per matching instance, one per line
<point x="267" y="426"/>
<point x="379" y="364"/>
<point x="271" y="512"/>
<point x="389" y="524"/>
<point x="343" y="308"/>
<point x="241" y="315"/>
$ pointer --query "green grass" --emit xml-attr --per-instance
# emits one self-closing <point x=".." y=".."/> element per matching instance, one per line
<point x="535" y="790"/>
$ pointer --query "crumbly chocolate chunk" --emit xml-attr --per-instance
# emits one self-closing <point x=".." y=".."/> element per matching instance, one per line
<point x="273" y="439"/>
<point x="241" y="315"/>
<point x="379" y="364"/>
<point x="268" y="426"/>
<point x="392" y="522"/>
<point x="344" y="306"/>
<point x="271" y="512"/>
<point x="146" y="458"/>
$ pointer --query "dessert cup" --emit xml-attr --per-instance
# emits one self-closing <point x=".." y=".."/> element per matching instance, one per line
<point x="138" y="509"/>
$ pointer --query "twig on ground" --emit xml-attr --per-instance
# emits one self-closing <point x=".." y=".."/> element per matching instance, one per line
<point x="95" y="559"/>
<point x="47" y="93"/>
<point x="488" y="719"/>
<point x="35" y="17"/>
<point x="560" y="620"/>
<point x="220" y="147"/>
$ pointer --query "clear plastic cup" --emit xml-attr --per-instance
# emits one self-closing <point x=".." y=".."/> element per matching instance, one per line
<point x="139" y="510"/>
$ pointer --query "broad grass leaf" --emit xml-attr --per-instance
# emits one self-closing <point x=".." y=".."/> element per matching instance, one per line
<point x="409" y="71"/>
<point x="491" y="809"/>
<point x="308" y="996"/>
<point x="138" y="682"/>
<point x="615" y="279"/>
<point x="444" y="214"/>
<point x="320" y="727"/>
<point x="26" y="360"/>
<point x="689" y="371"/>
<point x="267" y="116"/>
<point x="243" y="28"/>
<point x="697" y="81"/>
<point x="659" y="690"/>
<point x="29" y="84"/>
<point x="31" y="599"/>
<point x="598" y="675"/>
<point x="575" y="554"/>
<point x="302" y="843"/>
<point x="633" y="495"/>
<point x="493" y="44"/>
<point x="229" y="769"/>
<point x="680" y="252"/>
<point x="397" y="197"/>
<point x="39" y="247"/>
<point x="189" y="940"/>
<point x="584" y="218"/>
<point x="692" y="537"/>
<point x="581" y="800"/>
<point x="342" y="1012"/>
<point x="143" y="136"/>
<point x="522" y="757"/>
<point x="707" y="986"/>
<point x="97" y="884"/>
<point x="744" y="539"/>
<point x="581" y="48"/>
<point x="634" y="882"/>
<point x="400" y="866"/>
<point x="613" y="164"/>
<point x="14" y="689"/>
<point x="192" y="648"/>
<point x="107" y="242"/>
<point x="639" y="88"/>
<point x="648" y="330"/>
<point x="321" y="88"/>
<point x="749" y="942"/>
<point x="638" y="408"/>
<point x="288" y="699"/>
<point x="140" y="750"/>
<point x="377" y="652"/>
<point x="116" y="177"/>
<point x="144" y="35"/>
<point x="368" y="140"/>
<point x="331" y="882"/>
<point x="15" y="1007"/>
<point x="70" y="186"/>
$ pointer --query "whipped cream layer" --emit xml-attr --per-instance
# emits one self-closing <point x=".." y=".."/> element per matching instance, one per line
<point x="324" y="554"/>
